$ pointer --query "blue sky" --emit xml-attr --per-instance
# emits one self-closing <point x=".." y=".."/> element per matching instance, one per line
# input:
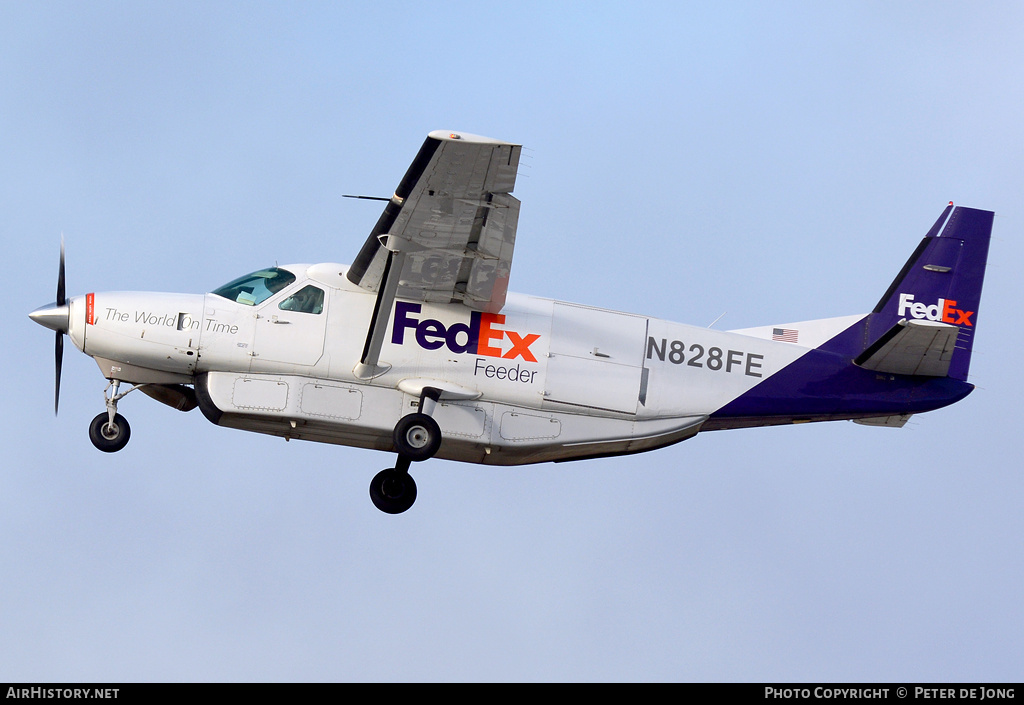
<point x="772" y="161"/>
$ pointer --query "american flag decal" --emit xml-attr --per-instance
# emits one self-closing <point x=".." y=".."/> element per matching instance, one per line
<point x="787" y="335"/>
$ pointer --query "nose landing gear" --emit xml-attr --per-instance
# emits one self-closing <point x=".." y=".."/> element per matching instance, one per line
<point x="110" y="431"/>
<point x="417" y="438"/>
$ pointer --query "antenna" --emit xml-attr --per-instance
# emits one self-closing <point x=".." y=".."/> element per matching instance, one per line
<point x="366" y="198"/>
<point x="717" y="319"/>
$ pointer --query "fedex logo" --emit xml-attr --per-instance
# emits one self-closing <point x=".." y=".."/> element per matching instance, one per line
<point x="481" y="336"/>
<point x="942" y="311"/>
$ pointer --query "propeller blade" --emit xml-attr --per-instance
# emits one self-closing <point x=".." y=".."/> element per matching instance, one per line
<point x="60" y="275"/>
<point x="59" y="357"/>
<point x="58" y="349"/>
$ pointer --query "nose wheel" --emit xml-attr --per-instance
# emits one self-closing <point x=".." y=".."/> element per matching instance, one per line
<point x="109" y="436"/>
<point x="417" y="437"/>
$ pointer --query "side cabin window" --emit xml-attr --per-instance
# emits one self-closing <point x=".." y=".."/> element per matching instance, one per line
<point x="308" y="299"/>
<point x="255" y="288"/>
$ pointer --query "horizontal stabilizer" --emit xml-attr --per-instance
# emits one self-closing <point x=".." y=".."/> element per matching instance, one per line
<point x="912" y="347"/>
<point x="894" y="421"/>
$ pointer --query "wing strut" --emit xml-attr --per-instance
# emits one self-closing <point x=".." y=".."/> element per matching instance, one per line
<point x="369" y="365"/>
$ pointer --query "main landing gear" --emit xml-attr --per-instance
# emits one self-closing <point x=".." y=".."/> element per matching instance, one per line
<point x="417" y="437"/>
<point x="110" y="431"/>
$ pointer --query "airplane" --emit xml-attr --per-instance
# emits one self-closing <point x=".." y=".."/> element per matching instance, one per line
<point x="418" y="348"/>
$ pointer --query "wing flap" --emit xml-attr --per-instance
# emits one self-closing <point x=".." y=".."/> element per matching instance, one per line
<point x="913" y="347"/>
<point x="453" y="220"/>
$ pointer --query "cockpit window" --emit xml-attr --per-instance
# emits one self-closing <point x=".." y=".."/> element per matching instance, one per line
<point x="257" y="287"/>
<point x="308" y="299"/>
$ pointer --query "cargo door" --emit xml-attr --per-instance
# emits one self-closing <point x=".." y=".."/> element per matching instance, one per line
<point x="595" y="358"/>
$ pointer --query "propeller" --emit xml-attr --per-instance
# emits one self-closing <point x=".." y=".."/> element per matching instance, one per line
<point x="58" y="350"/>
<point x="56" y="317"/>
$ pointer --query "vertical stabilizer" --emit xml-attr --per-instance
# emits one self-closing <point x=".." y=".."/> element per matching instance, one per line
<point x="941" y="282"/>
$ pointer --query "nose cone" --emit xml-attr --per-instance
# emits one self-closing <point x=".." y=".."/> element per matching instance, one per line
<point x="52" y="316"/>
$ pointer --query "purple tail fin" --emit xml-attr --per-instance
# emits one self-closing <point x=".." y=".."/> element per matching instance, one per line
<point x="942" y="282"/>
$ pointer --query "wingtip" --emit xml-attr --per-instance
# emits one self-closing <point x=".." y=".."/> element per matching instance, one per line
<point x="456" y="136"/>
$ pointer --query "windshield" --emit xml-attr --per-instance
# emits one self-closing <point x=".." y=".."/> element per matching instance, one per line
<point x="257" y="287"/>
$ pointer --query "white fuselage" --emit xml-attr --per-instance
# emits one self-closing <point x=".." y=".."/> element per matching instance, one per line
<point x="543" y="380"/>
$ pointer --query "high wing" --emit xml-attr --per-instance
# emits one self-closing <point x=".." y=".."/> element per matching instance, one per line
<point x="446" y="236"/>
<point x="450" y="228"/>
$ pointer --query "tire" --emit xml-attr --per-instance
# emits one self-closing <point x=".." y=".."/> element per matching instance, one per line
<point x="392" y="492"/>
<point x="417" y="437"/>
<point x="107" y="438"/>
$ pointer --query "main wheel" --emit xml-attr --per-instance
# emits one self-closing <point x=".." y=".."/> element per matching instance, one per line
<point x="392" y="491"/>
<point x="417" y="437"/>
<point x="109" y="437"/>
